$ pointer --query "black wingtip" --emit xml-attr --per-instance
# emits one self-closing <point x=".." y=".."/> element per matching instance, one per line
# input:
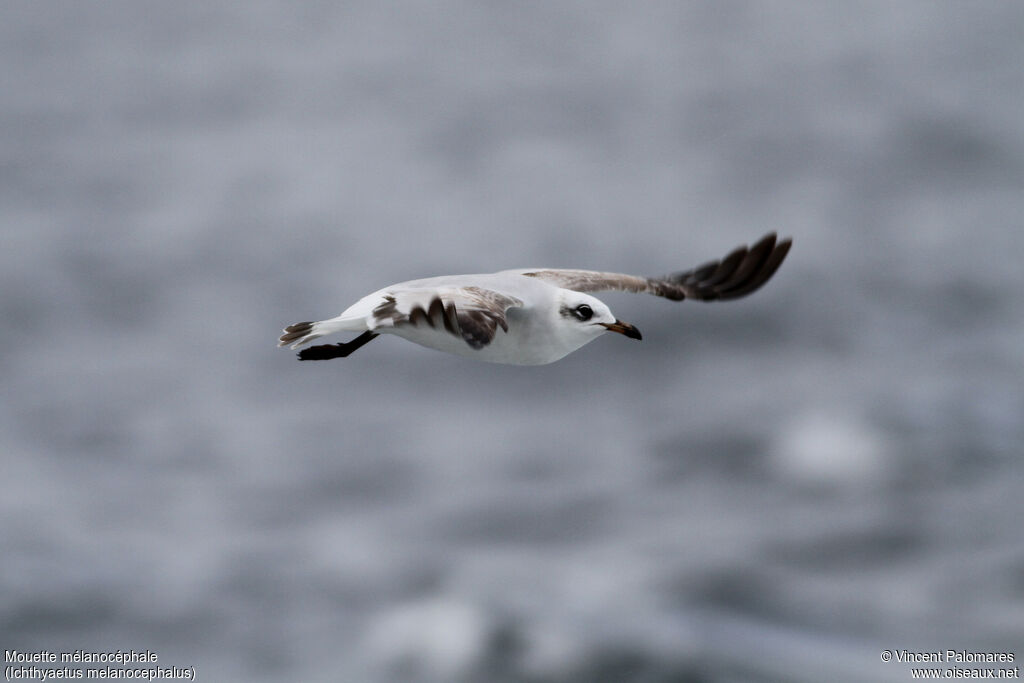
<point x="342" y="350"/>
<point x="322" y="352"/>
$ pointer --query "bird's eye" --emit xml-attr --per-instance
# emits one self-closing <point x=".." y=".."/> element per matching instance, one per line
<point x="583" y="312"/>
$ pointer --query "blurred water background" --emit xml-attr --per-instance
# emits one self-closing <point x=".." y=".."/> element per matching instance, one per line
<point x="774" y="489"/>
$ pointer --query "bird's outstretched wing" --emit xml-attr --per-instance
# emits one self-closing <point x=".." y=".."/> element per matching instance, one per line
<point x="740" y="273"/>
<point x="472" y="313"/>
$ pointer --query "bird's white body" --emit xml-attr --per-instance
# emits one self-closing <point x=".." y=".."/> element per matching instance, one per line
<point x="536" y="334"/>
<point x="525" y="316"/>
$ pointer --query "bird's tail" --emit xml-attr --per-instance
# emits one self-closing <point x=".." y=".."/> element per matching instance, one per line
<point x="300" y="334"/>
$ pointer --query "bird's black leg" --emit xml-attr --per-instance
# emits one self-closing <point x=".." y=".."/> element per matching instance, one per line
<point x="328" y="351"/>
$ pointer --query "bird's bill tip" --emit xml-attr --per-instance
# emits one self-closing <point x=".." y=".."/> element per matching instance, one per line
<point x="623" y="328"/>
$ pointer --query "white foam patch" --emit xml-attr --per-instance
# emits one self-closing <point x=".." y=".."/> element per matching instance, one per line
<point x="438" y="638"/>
<point x="831" y="448"/>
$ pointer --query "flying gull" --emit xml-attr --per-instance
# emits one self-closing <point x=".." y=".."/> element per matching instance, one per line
<point x="529" y="316"/>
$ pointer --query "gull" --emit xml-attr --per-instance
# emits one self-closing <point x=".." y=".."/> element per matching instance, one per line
<point x="527" y="316"/>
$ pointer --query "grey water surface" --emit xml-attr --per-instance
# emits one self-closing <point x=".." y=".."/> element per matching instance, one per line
<point x="775" y="489"/>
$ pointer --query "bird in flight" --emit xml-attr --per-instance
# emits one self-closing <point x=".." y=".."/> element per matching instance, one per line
<point x="530" y="316"/>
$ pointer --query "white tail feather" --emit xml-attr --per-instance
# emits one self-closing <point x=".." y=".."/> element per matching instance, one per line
<point x="300" y="334"/>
